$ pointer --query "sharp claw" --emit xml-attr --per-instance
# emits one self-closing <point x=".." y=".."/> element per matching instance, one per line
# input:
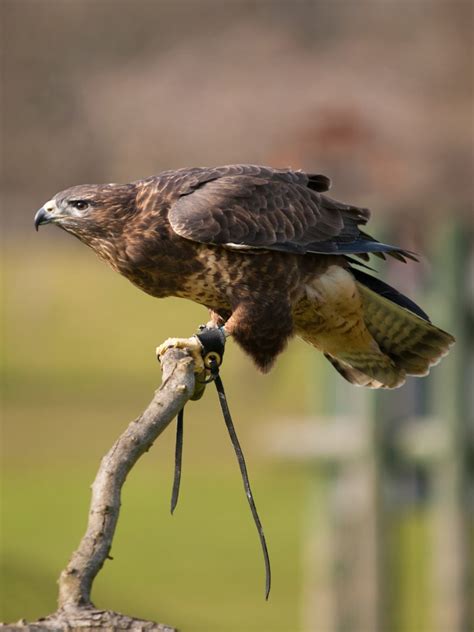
<point x="191" y="345"/>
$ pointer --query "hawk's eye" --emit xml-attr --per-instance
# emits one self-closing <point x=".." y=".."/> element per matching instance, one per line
<point x="80" y="205"/>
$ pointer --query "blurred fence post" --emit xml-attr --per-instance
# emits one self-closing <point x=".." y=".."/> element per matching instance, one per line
<point x="450" y="474"/>
<point x="340" y="561"/>
<point x="351" y="483"/>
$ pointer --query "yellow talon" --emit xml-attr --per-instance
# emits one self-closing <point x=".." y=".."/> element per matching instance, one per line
<point x="192" y="345"/>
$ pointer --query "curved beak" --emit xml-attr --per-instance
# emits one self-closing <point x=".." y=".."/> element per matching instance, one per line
<point x="43" y="216"/>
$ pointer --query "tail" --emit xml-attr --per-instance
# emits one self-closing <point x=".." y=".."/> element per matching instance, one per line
<point x="408" y="342"/>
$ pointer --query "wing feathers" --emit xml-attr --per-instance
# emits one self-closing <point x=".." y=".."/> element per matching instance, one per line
<point x="264" y="208"/>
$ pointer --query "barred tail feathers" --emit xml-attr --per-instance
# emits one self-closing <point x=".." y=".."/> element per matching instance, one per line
<point x="372" y="340"/>
<point x="371" y="368"/>
<point x="413" y="343"/>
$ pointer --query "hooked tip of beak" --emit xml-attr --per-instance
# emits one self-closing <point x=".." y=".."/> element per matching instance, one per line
<point x="43" y="216"/>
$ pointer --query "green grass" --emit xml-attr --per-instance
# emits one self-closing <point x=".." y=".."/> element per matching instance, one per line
<point x="197" y="569"/>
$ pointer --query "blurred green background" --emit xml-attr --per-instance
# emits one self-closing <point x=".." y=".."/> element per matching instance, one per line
<point x="379" y="97"/>
<point x="80" y="365"/>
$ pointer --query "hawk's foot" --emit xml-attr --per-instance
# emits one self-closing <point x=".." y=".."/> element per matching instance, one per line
<point x="206" y="347"/>
<point x="192" y="345"/>
<point x="207" y="350"/>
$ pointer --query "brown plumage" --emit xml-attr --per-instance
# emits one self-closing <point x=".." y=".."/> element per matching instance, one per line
<point x="269" y="254"/>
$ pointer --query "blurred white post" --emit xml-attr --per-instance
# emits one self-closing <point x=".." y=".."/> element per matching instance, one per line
<point x="342" y="541"/>
<point x="340" y="562"/>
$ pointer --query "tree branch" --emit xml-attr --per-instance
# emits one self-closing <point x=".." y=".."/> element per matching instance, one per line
<point x="75" y="583"/>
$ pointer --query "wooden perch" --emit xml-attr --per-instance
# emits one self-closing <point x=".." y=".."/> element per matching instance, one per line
<point x="75" y="608"/>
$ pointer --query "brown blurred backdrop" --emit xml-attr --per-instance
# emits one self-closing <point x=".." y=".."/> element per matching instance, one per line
<point x="377" y="95"/>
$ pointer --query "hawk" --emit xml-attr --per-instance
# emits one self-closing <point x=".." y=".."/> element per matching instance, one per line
<point x="269" y="254"/>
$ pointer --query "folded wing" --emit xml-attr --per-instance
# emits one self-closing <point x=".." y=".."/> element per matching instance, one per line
<point x="263" y="208"/>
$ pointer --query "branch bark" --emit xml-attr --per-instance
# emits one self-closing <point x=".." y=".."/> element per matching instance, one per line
<point x="75" y="608"/>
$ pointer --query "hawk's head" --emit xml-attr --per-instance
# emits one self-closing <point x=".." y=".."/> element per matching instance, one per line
<point x="89" y="210"/>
